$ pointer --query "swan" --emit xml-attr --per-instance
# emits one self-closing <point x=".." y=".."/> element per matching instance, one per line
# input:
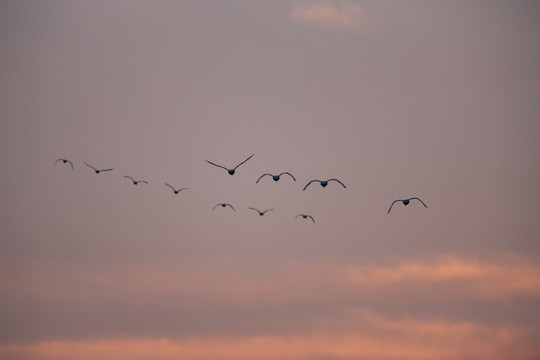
<point x="405" y="202"/>
<point x="276" y="177"/>
<point x="324" y="183"/>
<point x="230" y="171"/>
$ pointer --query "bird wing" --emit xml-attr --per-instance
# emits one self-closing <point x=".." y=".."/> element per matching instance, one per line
<point x="170" y="187"/>
<point x="393" y="202"/>
<point x="107" y="169"/>
<point x="127" y="177"/>
<point x="415" y="198"/>
<point x="265" y="211"/>
<point x="285" y="172"/>
<point x="311" y="217"/>
<point x="309" y="183"/>
<point x="257" y="210"/>
<point x="298" y="215"/>
<point x="216" y="206"/>
<point x="263" y="175"/>
<point x="58" y="161"/>
<point x="182" y="189"/>
<point x="338" y="182"/>
<point x="231" y="207"/>
<point x="90" y="166"/>
<point x="243" y="162"/>
<point x="70" y="163"/>
<point x="143" y="181"/>
<point x="223" y="167"/>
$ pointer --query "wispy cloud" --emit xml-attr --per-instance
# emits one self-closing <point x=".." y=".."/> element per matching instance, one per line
<point x="328" y="14"/>
<point x="380" y="338"/>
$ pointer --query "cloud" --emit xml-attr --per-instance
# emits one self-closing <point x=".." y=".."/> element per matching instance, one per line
<point x="328" y="14"/>
<point x="381" y="338"/>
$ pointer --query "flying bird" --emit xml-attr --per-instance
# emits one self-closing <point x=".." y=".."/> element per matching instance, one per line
<point x="176" y="191"/>
<point x="261" y="213"/>
<point x="135" y="182"/>
<point x="324" y="183"/>
<point x="97" y="170"/>
<point x="230" y="171"/>
<point x="405" y="202"/>
<point x="276" y="177"/>
<point x="223" y="205"/>
<point x="304" y="216"/>
<point x="65" y="161"/>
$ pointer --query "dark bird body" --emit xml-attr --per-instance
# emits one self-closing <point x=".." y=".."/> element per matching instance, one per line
<point x="324" y="183"/>
<point x="304" y="216"/>
<point x="97" y="170"/>
<point x="261" y="213"/>
<point x="223" y="205"/>
<point x="136" y="182"/>
<point x="405" y="202"/>
<point x="230" y="171"/>
<point x="65" y="161"/>
<point x="276" y="177"/>
<point x="175" y="190"/>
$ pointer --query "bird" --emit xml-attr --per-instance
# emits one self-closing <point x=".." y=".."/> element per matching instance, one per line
<point x="98" y="170"/>
<point x="176" y="191"/>
<point x="65" y="161"/>
<point x="261" y="213"/>
<point x="223" y="205"/>
<point x="324" y="183"/>
<point x="304" y="216"/>
<point x="230" y="171"/>
<point x="276" y="177"/>
<point x="405" y="202"/>
<point x="135" y="182"/>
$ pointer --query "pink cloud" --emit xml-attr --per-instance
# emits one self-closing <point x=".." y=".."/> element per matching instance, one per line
<point x="381" y="338"/>
<point x="328" y="13"/>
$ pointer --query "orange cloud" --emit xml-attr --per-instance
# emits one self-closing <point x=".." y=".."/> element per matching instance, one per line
<point x="325" y="13"/>
<point x="512" y="277"/>
<point x="383" y="338"/>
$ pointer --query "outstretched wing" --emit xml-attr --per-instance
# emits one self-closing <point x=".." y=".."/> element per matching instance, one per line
<point x="107" y="169"/>
<point x="70" y="163"/>
<point x="223" y="167"/>
<point x="171" y="187"/>
<point x="309" y="183"/>
<point x="216" y="206"/>
<point x="415" y="198"/>
<point x="90" y="166"/>
<point x="243" y="162"/>
<point x="257" y="210"/>
<point x="231" y="207"/>
<point x="298" y="215"/>
<point x="129" y="177"/>
<point x="263" y="175"/>
<point x="265" y="211"/>
<point x="338" y="182"/>
<point x="143" y="181"/>
<point x="58" y="161"/>
<point x="393" y="202"/>
<point x="311" y="217"/>
<point x="285" y="172"/>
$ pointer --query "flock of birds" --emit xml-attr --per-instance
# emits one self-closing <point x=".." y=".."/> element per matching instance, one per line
<point x="232" y="171"/>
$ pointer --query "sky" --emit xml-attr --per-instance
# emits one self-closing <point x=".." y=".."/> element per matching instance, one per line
<point x="436" y="100"/>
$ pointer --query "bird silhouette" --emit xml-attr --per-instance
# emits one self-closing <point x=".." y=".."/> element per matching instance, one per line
<point x="261" y="213"/>
<point x="275" y="177"/>
<point x="176" y="191"/>
<point x="405" y="202"/>
<point x="65" y="161"/>
<point x="324" y="183"/>
<point x="136" y="182"/>
<point x="97" y="170"/>
<point x="304" y="216"/>
<point x="223" y="205"/>
<point x="230" y="171"/>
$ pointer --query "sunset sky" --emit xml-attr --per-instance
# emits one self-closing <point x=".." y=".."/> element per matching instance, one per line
<point x="432" y="99"/>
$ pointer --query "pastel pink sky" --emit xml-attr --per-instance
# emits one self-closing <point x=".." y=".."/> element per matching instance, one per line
<point x="431" y="99"/>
